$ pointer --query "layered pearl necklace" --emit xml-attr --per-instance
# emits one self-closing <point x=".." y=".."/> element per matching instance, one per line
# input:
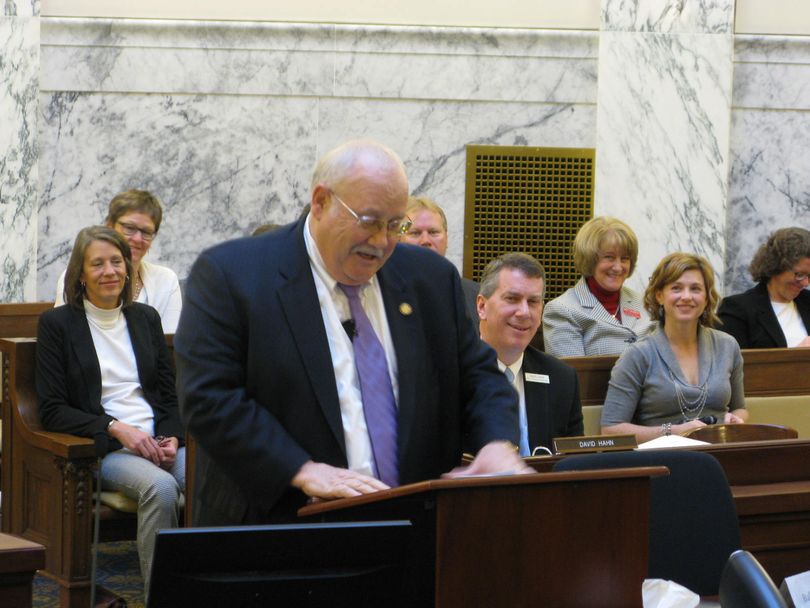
<point x="137" y="286"/>
<point x="690" y="409"/>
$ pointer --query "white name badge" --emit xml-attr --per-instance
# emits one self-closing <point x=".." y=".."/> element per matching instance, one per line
<point x="541" y="378"/>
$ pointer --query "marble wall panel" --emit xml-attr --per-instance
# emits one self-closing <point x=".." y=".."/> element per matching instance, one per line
<point x="353" y="62"/>
<point x="20" y="8"/>
<point x="772" y="72"/>
<point x="670" y="16"/>
<point x="769" y="181"/>
<point x="220" y="164"/>
<point x="313" y="37"/>
<point x="460" y="77"/>
<point x="239" y="150"/>
<point x="663" y="141"/>
<point x="19" y="72"/>
<point x="160" y="70"/>
<point x="159" y="33"/>
<point x="769" y="184"/>
<point x="500" y="42"/>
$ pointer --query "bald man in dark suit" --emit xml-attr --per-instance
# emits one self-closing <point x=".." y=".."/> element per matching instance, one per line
<point x="270" y="356"/>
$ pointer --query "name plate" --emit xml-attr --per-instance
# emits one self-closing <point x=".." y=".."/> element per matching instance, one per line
<point x="594" y="443"/>
<point x="796" y="590"/>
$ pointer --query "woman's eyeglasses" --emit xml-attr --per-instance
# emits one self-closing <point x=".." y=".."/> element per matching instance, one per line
<point x="131" y="230"/>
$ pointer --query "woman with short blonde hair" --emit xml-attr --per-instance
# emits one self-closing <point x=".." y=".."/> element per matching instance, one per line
<point x="598" y="315"/>
<point x="136" y="215"/>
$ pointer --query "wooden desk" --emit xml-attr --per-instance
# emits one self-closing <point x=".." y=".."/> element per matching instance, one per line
<point x="768" y="372"/>
<point x="772" y="499"/>
<point x="524" y="540"/>
<point x="19" y="561"/>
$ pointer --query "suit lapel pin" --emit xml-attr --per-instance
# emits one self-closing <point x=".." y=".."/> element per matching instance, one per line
<point x="405" y="309"/>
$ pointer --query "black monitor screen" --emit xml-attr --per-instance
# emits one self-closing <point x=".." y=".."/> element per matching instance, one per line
<point x="322" y="564"/>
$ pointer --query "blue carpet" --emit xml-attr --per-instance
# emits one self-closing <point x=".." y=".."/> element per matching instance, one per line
<point x="118" y="571"/>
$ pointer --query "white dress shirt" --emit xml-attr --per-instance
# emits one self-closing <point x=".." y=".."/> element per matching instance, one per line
<point x="790" y="321"/>
<point x="334" y="310"/>
<point x="121" y="391"/>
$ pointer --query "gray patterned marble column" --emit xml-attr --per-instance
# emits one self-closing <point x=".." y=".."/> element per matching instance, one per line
<point x="663" y="114"/>
<point x="19" y="88"/>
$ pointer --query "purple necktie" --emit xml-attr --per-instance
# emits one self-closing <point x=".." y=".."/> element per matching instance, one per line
<point x="379" y="406"/>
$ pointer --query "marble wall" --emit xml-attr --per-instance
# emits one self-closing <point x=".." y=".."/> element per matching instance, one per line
<point x="19" y="84"/>
<point x="769" y="184"/>
<point x="664" y="103"/>
<point x="224" y="121"/>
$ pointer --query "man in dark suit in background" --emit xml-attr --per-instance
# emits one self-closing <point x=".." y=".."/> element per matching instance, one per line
<point x="323" y="361"/>
<point x="429" y="229"/>
<point x="510" y="305"/>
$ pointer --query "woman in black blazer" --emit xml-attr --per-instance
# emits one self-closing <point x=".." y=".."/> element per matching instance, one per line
<point x="103" y="371"/>
<point x="776" y="312"/>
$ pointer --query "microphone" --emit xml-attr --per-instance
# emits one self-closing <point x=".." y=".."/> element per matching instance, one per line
<point x="705" y="420"/>
<point x="350" y="328"/>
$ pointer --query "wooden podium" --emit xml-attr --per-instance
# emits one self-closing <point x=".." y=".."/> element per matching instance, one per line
<point x="551" y="539"/>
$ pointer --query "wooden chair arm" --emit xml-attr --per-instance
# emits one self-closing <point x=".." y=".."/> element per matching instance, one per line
<point x="21" y="398"/>
<point x="69" y="447"/>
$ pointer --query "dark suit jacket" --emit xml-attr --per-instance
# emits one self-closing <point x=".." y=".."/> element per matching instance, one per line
<point x="68" y="376"/>
<point x="749" y="317"/>
<point x="257" y="386"/>
<point x="553" y="409"/>
<point x="470" y="289"/>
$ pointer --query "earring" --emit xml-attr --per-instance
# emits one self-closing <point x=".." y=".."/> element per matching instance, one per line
<point x="83" y="284"/>
<point x="660" y="311"/>
<point x="127" y="278"/>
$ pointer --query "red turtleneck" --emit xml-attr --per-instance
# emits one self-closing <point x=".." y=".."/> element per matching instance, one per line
<point x="608" y="299"/>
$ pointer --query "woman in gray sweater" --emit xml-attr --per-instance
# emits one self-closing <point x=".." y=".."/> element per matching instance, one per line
<point x="684" y="370"/>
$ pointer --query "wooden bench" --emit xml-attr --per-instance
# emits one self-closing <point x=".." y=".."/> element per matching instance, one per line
<point x="20" y="320"/>
<point x="777" y="386"/>
<point x="770" y="483"/>
<point x="47" y="481"/>
<point x="770" y="480"/>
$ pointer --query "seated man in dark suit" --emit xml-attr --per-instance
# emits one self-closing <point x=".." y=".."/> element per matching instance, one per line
<point x="429" y="229"/>
<point x="323" y="360"/>
<point x="510" y="305"/>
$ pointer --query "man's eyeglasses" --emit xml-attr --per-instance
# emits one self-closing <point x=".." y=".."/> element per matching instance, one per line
<point x="800" y="277"/>
<point x="131" y="230"/>
<point x="373" y="225"/>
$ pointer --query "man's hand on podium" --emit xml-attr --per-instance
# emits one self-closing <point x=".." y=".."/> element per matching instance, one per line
<point x="320" y="480"/>
<point x="495" y="458"/>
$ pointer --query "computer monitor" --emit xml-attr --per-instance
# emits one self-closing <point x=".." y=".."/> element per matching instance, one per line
<point x="312" y="565"/>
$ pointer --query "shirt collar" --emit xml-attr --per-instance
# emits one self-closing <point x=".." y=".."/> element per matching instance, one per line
<point x="317" y="263"/>
<point x="515" y="367"/>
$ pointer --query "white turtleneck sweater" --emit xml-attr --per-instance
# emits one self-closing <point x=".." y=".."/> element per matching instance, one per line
<point x="121" y="392"/>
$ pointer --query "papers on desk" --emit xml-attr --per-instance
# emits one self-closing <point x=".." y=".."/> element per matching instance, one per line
<point x="657" y="593"/>
<point x="670" y="441"/>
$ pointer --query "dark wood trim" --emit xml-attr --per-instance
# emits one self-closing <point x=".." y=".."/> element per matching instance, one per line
<point x="770" y="372"/>
<point x="20" y="320"/>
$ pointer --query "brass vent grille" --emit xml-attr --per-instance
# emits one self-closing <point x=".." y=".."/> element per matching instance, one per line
<point x="534" y="200"/>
